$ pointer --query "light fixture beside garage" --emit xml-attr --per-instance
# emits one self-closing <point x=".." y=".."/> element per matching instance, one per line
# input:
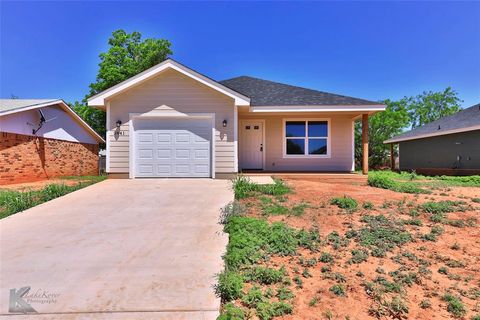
<point x="119" y="123"/>
<point x="224" y="123"/>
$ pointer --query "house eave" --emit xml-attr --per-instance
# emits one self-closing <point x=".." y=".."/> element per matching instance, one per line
<point x="433" y="134"/>
<point x="319" y="108"/>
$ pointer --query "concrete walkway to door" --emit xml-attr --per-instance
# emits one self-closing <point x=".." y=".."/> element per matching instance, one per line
<point x="120" y="249"/>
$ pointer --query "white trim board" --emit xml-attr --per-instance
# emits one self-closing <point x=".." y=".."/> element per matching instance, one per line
<point x="306" y="155"/>
<point x="98" y="100"/>
<point x="334" y="108"/>
<point x="434" y="134"/>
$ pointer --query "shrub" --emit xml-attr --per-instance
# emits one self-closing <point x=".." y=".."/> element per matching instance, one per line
<point x="358" y="256"/>
<point x="455" y="305"/>
<point x="264" y="275"/>
<point x="476" y="200"/>
<point x="443" y="270"/>
<point x="230" y="285"/>
<point x="267" y="310"/>
<point x="283" y="293"/>
<point x="345" y="202"/>
<point x="425" y="304"/>
<point x="338" y="290"/>
<point x="442" y="206"/>
<point x="232" y="209"/>
<point x="325" y="257"/>
<point x="413" y="222"/>
<point x="231" y="312"/>
<point x="253" y="297"/>
<point x="367" y="205"/>
<point x="476" y="317"/>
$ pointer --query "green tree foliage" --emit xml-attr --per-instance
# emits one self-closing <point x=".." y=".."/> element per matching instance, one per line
<point x="430" y="106"/>
<point x="409" y="112"/>
<point x="382" y="126"/>
<point x="127" y="56"/>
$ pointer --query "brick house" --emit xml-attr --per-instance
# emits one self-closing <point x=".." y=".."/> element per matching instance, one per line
<point x="42" y="139"/>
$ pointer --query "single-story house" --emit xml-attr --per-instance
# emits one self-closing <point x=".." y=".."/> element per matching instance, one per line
<point x="171" y="121"/>
<point x="450" y="145"/>
<point x="43" y="139"/>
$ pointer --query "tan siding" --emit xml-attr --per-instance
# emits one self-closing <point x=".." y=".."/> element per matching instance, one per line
<point x="170" y="92"/>
<point x="341" y="144"/>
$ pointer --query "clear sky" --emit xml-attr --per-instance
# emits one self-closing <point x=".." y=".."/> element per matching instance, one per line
<point x="371" y="50"/>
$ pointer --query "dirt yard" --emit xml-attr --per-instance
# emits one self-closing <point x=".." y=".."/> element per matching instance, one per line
<point x="353" y="275"/>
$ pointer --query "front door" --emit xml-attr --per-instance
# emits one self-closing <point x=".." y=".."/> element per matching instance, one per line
<point x="251" y="144"/>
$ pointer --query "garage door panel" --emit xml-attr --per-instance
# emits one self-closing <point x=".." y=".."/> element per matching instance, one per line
<point x="182" y="154"/>
<point x="164" y="137"/>
<point x="145" y="137"/>
<point x="164" y="153"/>
<point x="145" y="154"/>
<point x="173" y="148"/>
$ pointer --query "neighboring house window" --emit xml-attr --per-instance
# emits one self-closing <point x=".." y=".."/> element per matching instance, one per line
<point x="306" y="138"/>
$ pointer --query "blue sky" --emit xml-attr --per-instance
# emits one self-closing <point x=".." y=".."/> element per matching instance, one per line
<point x="371" y="50"/>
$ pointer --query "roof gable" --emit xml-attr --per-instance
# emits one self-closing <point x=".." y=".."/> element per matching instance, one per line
<point x="99" y="99"/>
<point x="464" y="120"/>
<point x="269" y="93"/>
<point x="10" y="106"/>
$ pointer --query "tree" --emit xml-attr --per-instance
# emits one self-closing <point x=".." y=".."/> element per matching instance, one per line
<point x="127" y="56"/>
<point x="430" y="106"/>
<point x="381" y="127"/>
<point x="409" y="112"/>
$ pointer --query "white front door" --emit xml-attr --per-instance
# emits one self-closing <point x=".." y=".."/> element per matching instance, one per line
<point x="251" y="144"/>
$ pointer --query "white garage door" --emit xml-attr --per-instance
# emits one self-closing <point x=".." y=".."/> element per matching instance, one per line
<point x="173" y="147"/>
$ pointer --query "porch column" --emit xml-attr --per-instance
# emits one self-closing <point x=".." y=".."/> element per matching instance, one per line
<point x="392" y="157"/>
<point x="365" y="143"/>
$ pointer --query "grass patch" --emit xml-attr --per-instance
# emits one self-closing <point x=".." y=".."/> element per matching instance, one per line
<point x="338" y="290"/>
<point x="455" y="305"/>
<point x="12" y="201"/>
<point x="381" y="234"/>
<point x="385" y="180"/>
<point x="244" y="188"/>
<point x="345" y="202"/>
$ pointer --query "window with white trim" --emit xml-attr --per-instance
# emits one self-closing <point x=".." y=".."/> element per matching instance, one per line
<point x="306" y="138"/>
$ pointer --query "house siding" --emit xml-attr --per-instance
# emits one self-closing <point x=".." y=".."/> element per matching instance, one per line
<point x="441" y="152"/>
<point x="171" y="92"/>
<point x="341" y="144"/>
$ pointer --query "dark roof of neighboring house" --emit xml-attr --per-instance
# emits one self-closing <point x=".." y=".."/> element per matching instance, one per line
<point x="269" y="93"/>
<point x="465" y="120"/>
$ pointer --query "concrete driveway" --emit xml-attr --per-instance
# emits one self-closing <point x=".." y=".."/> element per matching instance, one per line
<point x="120" y="249"/>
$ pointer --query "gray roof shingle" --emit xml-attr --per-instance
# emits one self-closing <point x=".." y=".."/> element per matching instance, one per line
<point x="466" y="118"/>
<point x="12" y="104"/>
<point x="268" y="93"/>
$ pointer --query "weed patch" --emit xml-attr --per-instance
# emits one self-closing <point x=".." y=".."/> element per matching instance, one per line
<point x="244" y="188"/>
<point x="345" y="202"/>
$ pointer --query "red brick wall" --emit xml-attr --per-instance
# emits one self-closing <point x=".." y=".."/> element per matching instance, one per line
<point x="27" y="158"/>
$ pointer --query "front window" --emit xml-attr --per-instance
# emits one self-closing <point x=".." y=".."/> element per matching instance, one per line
<point x="306" y="138"/>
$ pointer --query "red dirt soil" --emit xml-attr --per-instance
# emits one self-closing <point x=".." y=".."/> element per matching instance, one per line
<point x="317" y="193"/>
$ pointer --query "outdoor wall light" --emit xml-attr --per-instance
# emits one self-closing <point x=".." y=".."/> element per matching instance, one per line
<point x="119" y="123"/>
<point x="224" y="123"/>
